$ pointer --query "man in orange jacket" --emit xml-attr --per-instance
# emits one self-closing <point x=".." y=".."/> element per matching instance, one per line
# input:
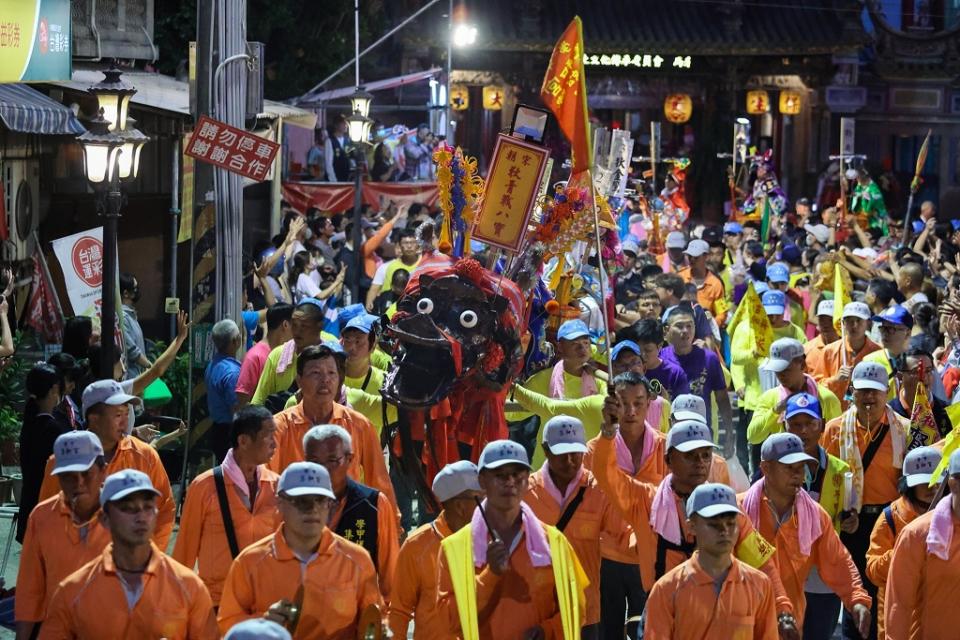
<point x="654" y="512"/>
<point x="64" y="532"/>
<point x="801" y="529"/>
<point x="303" y="571"/>
<point x="923" y="587"/>
<point x="414" y="593"/>
<point x="106" y="408"/>
<point x="564" y="494"/>
<point x="361" y="514"/>
<point x="249" y="489"/>
<point x="163" y="598"/>
<point x="834" y="368"/>
<point x="713" y="594"/>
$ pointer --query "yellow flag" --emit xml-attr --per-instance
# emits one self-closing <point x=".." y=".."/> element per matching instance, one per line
<point x="950" y="443"/>
<point x="741" y="311"/>
<point x="841" y="294"/>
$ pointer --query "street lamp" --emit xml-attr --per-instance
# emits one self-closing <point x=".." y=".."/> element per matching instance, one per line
<point x="360" y="102"/>
<point x="111" y="156"/>
<point x="358" y="128"/>
<point x="462" y="34"/>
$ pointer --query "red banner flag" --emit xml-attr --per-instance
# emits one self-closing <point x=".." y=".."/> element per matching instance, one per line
<point x="44" y="314"/>
<point x="564" y="92"/>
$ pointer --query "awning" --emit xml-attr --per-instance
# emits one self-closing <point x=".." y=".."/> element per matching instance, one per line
<point x="166" y="93"/>
<point x="378" y="85"/>
<point x="29" y="111"/>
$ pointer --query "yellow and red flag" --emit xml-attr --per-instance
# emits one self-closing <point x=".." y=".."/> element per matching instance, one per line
<point x="564" y="92"/>
<point x="841" y="295"/>
<point x="923" y="426"/>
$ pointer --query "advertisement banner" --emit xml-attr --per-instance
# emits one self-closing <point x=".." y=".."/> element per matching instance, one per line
<point x="81" y="260"/>
<point x="34" y="40"/>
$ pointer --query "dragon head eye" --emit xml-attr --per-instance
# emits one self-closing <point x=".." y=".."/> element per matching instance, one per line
<point x="468" y="319"/>
<point x="425" y="306"/>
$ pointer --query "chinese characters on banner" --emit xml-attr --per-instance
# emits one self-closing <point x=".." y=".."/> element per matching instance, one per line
<point x="511" y="193"/>
<point x="564" y="92"/>
<point x="81" y="260"/>
<point x="34" y="40"/>
<point x="232" y="149"/>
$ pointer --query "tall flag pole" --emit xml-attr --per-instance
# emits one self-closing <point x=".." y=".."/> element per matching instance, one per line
<point x="915" y="185"/>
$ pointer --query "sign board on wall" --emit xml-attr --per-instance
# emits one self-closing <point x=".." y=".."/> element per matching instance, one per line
<point x="35" y="40"/>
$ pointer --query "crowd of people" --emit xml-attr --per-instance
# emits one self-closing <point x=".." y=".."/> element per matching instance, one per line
<point x="709" y="488"/>
<point x="396" y="155"/>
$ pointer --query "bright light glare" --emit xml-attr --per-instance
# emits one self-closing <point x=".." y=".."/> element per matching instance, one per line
<point x="464" y="35"/>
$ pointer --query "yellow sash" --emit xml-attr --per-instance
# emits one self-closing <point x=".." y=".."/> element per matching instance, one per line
<point x="571" y="581"/>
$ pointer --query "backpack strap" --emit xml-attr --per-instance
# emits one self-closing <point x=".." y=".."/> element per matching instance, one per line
<point x="567" y="514"/>
<point x="225" y="511"/>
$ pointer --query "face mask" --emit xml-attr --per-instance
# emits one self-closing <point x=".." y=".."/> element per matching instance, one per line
<point x="131" y="419"/>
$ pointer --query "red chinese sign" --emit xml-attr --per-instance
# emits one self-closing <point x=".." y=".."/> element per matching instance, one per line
<point x="511" y="192"/>
<point x="87" y="258"/>
<point x="232" y="149"/>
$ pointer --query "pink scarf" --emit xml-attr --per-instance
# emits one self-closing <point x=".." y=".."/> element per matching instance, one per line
<point x="808" y="518"/>
<point x="625" y="456"/>
<point x="232" y="471"/>
<point x="288" y="352"/>
<point x="588" y="386"/>
<point x="809" y="383"/>
<point x="940" y="535"/>
<point x="552" y="488"/>
<point x="535" y="538"/>
<point x="664" y="518"/>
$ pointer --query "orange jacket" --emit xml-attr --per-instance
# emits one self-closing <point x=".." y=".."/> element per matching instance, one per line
<point x="824" y="368"/>
<point x="507" y="605"/>
<point x="708" y="294"/>
<point x="922" y="590"/>
<point x="634" y="500"/>
<point x="414" y="592"/>
<point x="882" y="540"/>
<point x="828" y="554"/>
<point x="367" y="465"/>
<point x="339" y="583"/>
<point x="53" y="548"/>
<point x="91" y="603"/>
<point x="388" y="540"/>
<point x="593" y="519"/>
<point x="684" y="605"/>
<point x="881" y="477"/>
<point x="202" y="540"/>
<point x="132" y="453"/>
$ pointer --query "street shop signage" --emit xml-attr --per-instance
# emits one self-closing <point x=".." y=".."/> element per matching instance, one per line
<point x="639" y="60"/>
<point x="511" y="192"/>
<point x="233" y="149"/>
<point x="34" y="40"/>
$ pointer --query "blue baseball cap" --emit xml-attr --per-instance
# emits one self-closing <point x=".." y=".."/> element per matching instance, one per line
<point x="502" y="452"/>
<point x="334" y="346"/>
<point x="732" y="228"/>
<point x="895" y="315"/>
<point x="712" y="499"/>
<point x="917" y="226"/>
<point x="785" y="448"/>
<point x="618" y="348"/>
<point x="348" y="313"/>
<point x="790" y="253"/>
<point x="761" y="288"/>
<point x="573" y="329"/>
<point x="955" y="224"/>
<point x="803" y="403"/>
<point x="364" y="322"/>
<point x="774" y="302"/>
<point x="778" y="272"/>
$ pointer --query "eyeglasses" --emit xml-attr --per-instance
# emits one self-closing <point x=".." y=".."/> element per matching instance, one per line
<point x="305" y="504"/>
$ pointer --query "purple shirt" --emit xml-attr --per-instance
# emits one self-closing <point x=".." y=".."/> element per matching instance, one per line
<point x="671" y="377"/>
<point x="703" y="371"/>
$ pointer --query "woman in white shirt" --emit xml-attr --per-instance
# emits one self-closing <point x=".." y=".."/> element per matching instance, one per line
<point x="302" y="285"/>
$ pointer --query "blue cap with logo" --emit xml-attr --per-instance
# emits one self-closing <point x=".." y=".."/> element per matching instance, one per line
<point x="778" y="272"/>
<point x="954" y="467"/>
<point x="733" y="228"/>
<point x="628" y="345"/>
<point x="565" y="434"/>
<point x="712" y="499"/>
<point x="75" y="451"/>
<point x="761" y="288"/>
<point x="502" y="452"/>
<point x="895" y="314"/>
<point x="573" y="329"/>
<point x="785" y="448"/>
<point x="774" y="302"/>
<point x="306" y="479"/>
<point x="364" y="322"/>
<point x="348" y="313"/>
<point x="871" y="375"/>
<point x="919" y="465"/>
<point x="688" y="406"/>
<point x="782" y="354"/>
<point x="105" y="392"/>
<point x="688" y="435"/>
<point x="257" y="629"/>
<point x="123" y="483"/>
<point x="803" y="403"/>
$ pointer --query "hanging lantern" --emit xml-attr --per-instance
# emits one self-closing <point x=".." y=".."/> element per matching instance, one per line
<point x="493" y="97"/>
<point x="790" y="102"/>
<point x="677" y="108"/>
<point x="459" y="97"/>
<point x="758" y="102"/>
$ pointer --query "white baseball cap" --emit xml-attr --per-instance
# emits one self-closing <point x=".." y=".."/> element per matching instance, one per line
<point x="712" y="499"/>
<point x="75" y="451"/>
<point x="857" y="310"/>
<point x="782" y="353"/>
<point x="675" y="240"/>
<point x="306" y="479"/>
<point x="819" y="231"/>
<point x="697" y="248"/>
<point x="121" y="484"/>
<point x="687" y="406"/>
<point x="688" y="435"/>
<point x="786" y="448"/>
<point x="919" y="465"/>
<point x="825" y="308"/>
<point x="105" y="392"/>
<point x="454" y="479"/>
<point x="503" y="452"/>
<point x="953" y="467"/>
<point x="631" y="246"/>
<point x="871" y="375"/>
<point x="565" y="434"/>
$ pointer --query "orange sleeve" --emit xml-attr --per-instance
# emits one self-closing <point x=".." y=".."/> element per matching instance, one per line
<point x="368" y="589"/>
<point x="57" y="624"/>
<point x="719" y="471"/>
<point x="405" y="591"/>
<point x="236" y="601"/>
<point x="837" y="385"/>
<point x="630" y="497"/>
<point x="765" y="625"/>
<point x="167" y="508"/>
<point x="374" y="242"/>
<point x="388" y="544"/>
<point x="836" y="566"/>
<point x="446" y="601"/>
<point x="50" y="486"/>
<point x="202" y="621"/>
<point x="31" y="579"/>
<point x="880" y="552"/>
<point x="187" y="547"/>
<point x="902" y="597"/>
<point x="276" y="461"/>
<point x="375" y="472"/>
<point x="660" y="613"/>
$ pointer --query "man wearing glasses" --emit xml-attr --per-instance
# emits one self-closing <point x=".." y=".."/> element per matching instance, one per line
<point x="303" y="576"/>
<point x="895" y="325"/>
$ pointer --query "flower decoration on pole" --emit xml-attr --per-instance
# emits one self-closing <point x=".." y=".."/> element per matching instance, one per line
<point x="460" y="188"/>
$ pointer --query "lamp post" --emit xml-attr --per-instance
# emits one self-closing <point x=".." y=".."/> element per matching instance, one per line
<point x="462" y="34"/>
<point x="358" y="127"/>
<point x="111" y="156"/>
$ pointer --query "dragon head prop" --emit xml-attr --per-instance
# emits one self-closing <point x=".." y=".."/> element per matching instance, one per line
<point x="457" y="324"/>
